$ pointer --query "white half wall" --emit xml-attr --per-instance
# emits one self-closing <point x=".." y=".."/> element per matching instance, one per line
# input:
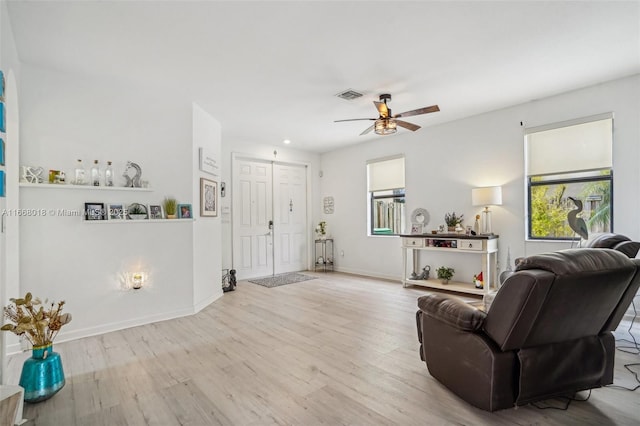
<point x="207" y="258"/>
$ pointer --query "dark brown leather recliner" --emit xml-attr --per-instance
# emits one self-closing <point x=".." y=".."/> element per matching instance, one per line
<point x="613" y="241"/>
<point x="548" y="332"/>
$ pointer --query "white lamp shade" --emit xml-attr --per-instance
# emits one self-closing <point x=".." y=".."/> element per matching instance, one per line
<point x="487" y="196"/>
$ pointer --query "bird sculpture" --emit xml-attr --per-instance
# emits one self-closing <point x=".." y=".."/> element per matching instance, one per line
<point x="577" y="223"/>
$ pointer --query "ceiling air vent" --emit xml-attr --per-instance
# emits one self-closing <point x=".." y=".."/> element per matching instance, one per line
<point x="349" y="94"/>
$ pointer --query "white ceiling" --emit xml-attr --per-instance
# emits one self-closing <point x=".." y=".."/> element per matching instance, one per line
<point x="269" y="70"/>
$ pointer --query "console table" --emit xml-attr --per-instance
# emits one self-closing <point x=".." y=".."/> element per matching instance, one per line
<point x="484" y="247"/>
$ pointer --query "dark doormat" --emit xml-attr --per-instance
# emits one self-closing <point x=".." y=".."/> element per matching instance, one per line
<point x="281" y="279"/>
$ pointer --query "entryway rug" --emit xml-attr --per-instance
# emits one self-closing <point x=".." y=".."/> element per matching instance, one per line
<point x="282" y="279"/>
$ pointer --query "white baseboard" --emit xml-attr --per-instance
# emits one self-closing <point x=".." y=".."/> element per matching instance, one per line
<point x="121" y="325"/>
<point x="206" y="302"/>
<point x="365" y="273"/>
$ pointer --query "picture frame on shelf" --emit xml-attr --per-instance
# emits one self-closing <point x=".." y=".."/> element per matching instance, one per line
<point x="208" y="198"/>
<point x="185" y="211"/>
<point x="94" y="211"/>
<point x="155" y="211"/>
<point x="116" y="211"/>
<point x="54" y="176"/>
<point x="416" y="228"/>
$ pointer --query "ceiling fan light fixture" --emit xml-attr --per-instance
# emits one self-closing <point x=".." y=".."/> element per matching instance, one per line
<point x="385" y="126"/>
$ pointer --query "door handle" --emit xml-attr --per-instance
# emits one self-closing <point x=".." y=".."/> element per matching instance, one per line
<point x="271" y="224"/>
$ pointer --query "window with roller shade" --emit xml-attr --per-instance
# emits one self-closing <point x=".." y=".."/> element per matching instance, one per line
<point x="385" y="186"/>
<point x="570" y="159"/>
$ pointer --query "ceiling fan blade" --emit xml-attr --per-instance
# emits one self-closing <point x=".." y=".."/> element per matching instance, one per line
<point x="410" y="126"/>
<point x="425" y="110"/>
<point x="367" y="130"/>
<point x="354" y="119"/>
<point x="382" y="109"/>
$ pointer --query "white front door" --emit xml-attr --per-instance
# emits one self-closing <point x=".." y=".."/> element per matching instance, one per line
<point x="252" y="212"/>
<point x="269" y="218"/>
<point x="290" y="218"/>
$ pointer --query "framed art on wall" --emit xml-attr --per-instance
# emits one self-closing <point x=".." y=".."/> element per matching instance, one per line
<point x="208" y="198"/>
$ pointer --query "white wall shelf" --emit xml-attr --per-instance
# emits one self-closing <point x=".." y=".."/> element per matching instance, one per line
<point x="85" y="187"/>
<point x="113" y="222"/>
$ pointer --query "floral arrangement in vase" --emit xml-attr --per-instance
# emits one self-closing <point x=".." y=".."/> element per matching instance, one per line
<point x="321" y="230"/>
<point x="38" y="323"/>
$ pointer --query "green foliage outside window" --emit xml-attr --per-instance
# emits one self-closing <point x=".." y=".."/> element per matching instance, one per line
<point x="550" y="206"/>
<point x="548" y="212"/>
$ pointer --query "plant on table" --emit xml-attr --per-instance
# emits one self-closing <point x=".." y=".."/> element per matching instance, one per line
<point x="321" y="229"/>
<point x="445" y="274"/>
<point x="452" y="219"/>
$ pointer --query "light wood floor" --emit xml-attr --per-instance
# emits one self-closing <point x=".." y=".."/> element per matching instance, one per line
<point x="335" y="350"/>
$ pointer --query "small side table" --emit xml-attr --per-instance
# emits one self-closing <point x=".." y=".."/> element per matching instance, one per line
<point x="324" y="255"/>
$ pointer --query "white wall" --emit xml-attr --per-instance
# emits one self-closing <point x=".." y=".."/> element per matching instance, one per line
<point x="444" y="162"/>
<point x="65" y="117"/>
<point x="9" y="241"/>
<point x="207" y="257"/>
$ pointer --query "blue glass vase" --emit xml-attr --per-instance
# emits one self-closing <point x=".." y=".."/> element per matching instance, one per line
<point x="42" y="375"/>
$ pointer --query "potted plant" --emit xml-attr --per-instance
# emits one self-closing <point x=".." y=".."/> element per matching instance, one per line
<point x="445" y="274"/>
<point x="137" y="211"/>
<point x="170" y="205"/>
<point x="42" y="374"/>
<point x="452" y="220"/>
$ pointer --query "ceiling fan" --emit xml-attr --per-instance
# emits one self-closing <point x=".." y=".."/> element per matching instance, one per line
<point x="387" y="124"/>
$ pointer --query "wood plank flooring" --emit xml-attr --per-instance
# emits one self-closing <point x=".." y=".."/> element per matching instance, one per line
<point x="337" y="350"/>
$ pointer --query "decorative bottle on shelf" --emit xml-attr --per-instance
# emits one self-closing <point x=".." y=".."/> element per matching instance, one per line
<point x="80" y="174"/>
<point x="108" y="175"/>
<point x="476" y="225"/>
<point x="95" y="174"/>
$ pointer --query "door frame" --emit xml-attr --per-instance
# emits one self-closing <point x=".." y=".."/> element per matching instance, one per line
<point x="235" y="156"/>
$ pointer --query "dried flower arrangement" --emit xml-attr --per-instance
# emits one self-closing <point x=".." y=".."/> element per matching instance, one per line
<point x="30" y="318"/>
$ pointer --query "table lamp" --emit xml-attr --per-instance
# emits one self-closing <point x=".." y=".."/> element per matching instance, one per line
<point x="486" y="196"/>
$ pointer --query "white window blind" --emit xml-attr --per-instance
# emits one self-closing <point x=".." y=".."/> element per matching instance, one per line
<point x="570" y="147"/>
<point x="385" y="174"/>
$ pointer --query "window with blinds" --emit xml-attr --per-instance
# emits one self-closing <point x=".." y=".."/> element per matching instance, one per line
<point x="385" y="186"/>
<point x="571" y="159"/>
